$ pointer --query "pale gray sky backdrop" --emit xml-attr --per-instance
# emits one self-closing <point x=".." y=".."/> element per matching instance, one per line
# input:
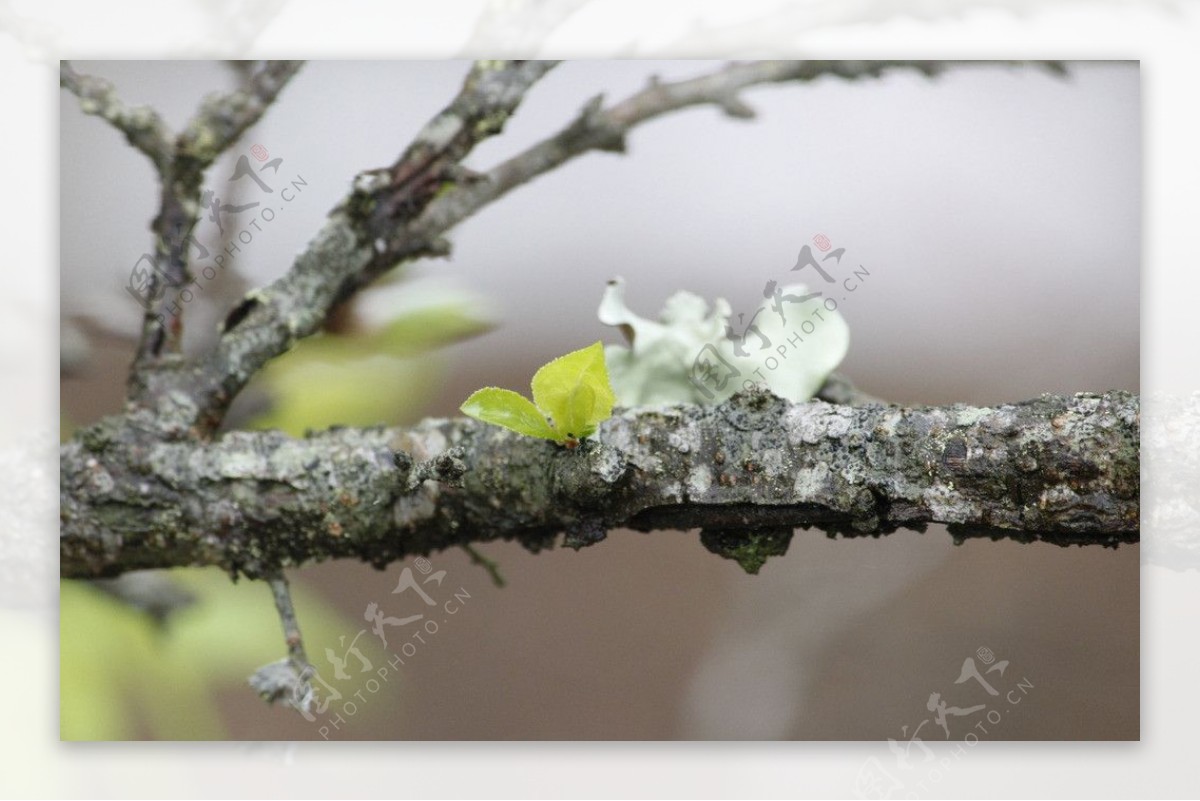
<point x="997" y="208"/>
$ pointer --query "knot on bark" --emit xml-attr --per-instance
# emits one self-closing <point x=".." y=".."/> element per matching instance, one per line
<point x="585" y="476"/>
<point x="446" y="468"/>
<point x="754" y="409"/>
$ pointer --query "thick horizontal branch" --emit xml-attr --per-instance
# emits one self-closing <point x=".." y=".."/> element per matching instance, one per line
<point x="1058" y="469"/>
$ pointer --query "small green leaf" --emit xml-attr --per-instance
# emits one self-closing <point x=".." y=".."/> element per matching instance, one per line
<point x="577" y="418"/>
<point x="426" y="328"/>
<point x="573" y="390"/>
<point x="503" y="407"/>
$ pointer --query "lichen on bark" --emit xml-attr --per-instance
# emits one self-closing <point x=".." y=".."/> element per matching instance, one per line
<point x="1055" y="469"/>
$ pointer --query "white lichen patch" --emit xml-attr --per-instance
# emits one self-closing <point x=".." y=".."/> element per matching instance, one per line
<point x="645" y="461"/>
<point x="238" y="463"/>
<point x="810" y="484"/>
<point x="429" y="444"/>
<point x="773" y="462"/>
<point x="811" y="424"/>
<point x="939" y="420"/>
<point x="442" y="130"/>
<point x="853" y="473"/>
<point x="838" y="420"/>
<point x="699" y="480"/>
<point x="608" y="465"/>
<point x="623" y="438"/>
<point x="415" y="507"/>
<point x="1059" y="496"/>
<point x="948" y="505"/>
<point x="970" y="415"/>
<point x="686" y="438"/>
<point x="688" y="355"/>
<point x="804" y="425"/>
<point x="368" y="182"/>
<point x="617" y="436"/>
<point x="888" y="421"/>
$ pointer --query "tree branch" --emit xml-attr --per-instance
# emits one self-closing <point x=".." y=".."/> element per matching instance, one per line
<point x="223" y="118"/>
<point x="286" y="681"/>
<point x="287" y="618"/>
<point x="345" y="254"/>
<point x="142" y="125"/>
<point x="402" y="212"/>
<point x="597" y="128"/>
<point x="180" y="163"/>
<point x="1056" y="469"/>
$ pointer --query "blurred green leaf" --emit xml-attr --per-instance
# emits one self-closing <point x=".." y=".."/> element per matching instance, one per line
<point x="122" y="676"/>
<point x="381" y="377"/>
<point x="311" y="390"/>
<point x="428" y="328"/>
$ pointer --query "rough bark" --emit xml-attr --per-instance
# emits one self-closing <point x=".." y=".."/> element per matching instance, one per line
<point x="1057" y="469"/>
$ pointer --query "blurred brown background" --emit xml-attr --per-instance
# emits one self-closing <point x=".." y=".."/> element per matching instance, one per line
<point x="998" y="210"/>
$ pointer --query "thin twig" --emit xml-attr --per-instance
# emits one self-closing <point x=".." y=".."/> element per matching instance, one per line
<point x="402" y="212"/>
<point x="351" y="250"/>
<point x="490" y="565"/>
<point x="142" y="125"/>
<point x="286" y="680"/>
<point x="220" y="121"/>
<point x="287" y="616"/>
<point x="223" y="118"/>
<point x="606" y="129"/>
